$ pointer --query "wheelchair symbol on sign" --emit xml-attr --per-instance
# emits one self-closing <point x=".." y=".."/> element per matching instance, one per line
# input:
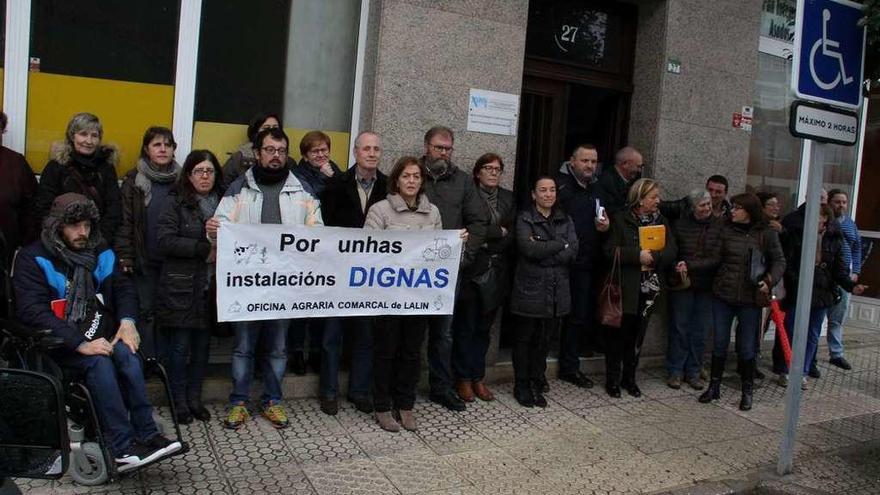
<point x="829" y="49"/>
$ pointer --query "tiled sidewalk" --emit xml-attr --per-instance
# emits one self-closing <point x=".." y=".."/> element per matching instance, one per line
<point x="582" y="443"/>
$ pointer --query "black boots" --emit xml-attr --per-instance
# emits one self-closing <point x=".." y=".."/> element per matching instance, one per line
<point x="713" y="392"/>
<point x="748" y="385"/>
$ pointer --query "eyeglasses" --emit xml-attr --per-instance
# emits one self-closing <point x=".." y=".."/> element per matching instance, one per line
<point x="493" y="170"/>
<point x="737" y="207"/>
<point x="204" y="172"/>
<point x="441" y="149"/>
<point x="271" y="150"/>
<point x="319" y="151"/>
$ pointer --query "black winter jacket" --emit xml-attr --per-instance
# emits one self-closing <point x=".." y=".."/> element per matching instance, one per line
<point x="182" y="299"/>
<point x="580" y="204"/>
<point x="97" y="181"/>
<point x="497" y="246"/>
<point x="341" y="203"/>
<point x="697" y="240"/>
<point x="35" y="289"/>
<point x="733" y="258"/>
<point x="612" y="190"/>
<point x="546" y="247"/>
<point x="312" y="179"/>
<point x="828" y="275"/>
<point x="624" y="234"/>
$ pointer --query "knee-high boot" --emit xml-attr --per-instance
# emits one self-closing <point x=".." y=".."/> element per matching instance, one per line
<point x="748" y="385"/>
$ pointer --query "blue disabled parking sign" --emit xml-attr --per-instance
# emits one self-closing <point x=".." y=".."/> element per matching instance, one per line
<point x="829" y="52"/>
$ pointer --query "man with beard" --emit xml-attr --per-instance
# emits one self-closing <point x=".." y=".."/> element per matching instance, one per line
<point x="453" y="191"/>
<point x="70" y="283"/>
<point x="577" y="195"/>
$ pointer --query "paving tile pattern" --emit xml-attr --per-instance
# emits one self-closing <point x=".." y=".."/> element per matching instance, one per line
<point x="584" y="442"/>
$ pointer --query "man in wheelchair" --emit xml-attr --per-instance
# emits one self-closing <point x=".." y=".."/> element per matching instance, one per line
<point x="68" y="282"/>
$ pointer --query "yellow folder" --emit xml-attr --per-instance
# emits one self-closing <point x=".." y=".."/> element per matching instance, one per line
<point x="652" y="237"/>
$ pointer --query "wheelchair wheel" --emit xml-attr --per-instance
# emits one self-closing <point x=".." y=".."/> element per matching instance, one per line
<point x="87" y="466"/>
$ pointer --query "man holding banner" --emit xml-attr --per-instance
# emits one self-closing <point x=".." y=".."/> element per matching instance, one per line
<point x="266" y="194"/>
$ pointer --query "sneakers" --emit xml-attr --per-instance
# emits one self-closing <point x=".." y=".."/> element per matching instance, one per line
<point x="275" y="413"/>
<point x="165" y="445"/>
<point x="237" y="416"/>
<point x="804" y="384"/>
<point x="136" y="455"/>
<point x="673" y="382"/>
<point x="840" y="362"/>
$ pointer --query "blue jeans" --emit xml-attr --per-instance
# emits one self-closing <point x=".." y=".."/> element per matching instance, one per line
<point x="814" y="328"/>
<point x="471" y="326"/>
<point x="690" y="315"/>
<point x="273" y="359"/>
<point x="119" y="393"/>
<point x="186" y="381"/>
<point x="746" y="332"/>
<point x="836" y="317"/>
<point x="360" y="379"/>
<point x="153" y="343"/>
<point x="578" y="322"/>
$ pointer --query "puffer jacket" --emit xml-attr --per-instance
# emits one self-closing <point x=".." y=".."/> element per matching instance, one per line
<point x="241" y="160"/>
<point x="733" y="258"/>
<point x="97" y="181"/>
<point x="696" y="240"/>
<point x="182" y="297"/>
<point x="828" y="275"/>
<point x="243" y="203"/>
<point x="624" y="234"/>
<point x="392" y="213"/>
<point x="546" y="247"/>
<point x="131" y="238"/>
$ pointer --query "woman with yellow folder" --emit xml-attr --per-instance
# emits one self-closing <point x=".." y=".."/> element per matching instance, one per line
<point x="639" y="241"/>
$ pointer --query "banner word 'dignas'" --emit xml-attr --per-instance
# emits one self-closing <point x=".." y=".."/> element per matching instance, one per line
<point x="267" y="272"/>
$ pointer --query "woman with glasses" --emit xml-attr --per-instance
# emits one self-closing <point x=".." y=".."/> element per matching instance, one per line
<point x="484" y="283"/>
<point x="245" y="158"/>
<point x="185" y="301"/>
<point x="145" y="192"/>
<point x="316" y="167"/>
<point x="546" y="245"/>
<point x="750" y="263"/>
<point x="642" y="273"/>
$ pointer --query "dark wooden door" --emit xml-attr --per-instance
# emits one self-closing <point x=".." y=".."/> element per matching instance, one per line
<point x="540" y="144"/>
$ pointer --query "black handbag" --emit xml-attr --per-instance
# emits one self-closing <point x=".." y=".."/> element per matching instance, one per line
<point x="491" y="285"/>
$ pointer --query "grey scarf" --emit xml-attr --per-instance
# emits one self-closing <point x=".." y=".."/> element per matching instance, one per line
<point x="81" y="294"/>
<point x="491" y="198"/>
<point x="148" y="172"/>
<point x="208" y="204"/>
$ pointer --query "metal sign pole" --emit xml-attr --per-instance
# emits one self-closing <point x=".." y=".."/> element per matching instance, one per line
<point x="802" y="308"/>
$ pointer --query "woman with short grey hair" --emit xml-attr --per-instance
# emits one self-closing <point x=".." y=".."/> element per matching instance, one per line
<point x="697" y="234"/>
<point x="83" y="164"/>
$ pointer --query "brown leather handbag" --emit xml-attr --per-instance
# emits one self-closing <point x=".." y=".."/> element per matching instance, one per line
<point x="611" y="299"/>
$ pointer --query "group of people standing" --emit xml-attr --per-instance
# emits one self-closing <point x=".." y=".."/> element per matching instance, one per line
<point x="719" y="261"/>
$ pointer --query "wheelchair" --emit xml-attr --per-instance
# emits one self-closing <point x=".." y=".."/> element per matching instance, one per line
<point x="90" y="460"/>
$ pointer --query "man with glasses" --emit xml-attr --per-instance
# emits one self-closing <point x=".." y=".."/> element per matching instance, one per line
<point x="267" y="194"/>
<point x="577" y="195"/>
<point x="453" y="191"/>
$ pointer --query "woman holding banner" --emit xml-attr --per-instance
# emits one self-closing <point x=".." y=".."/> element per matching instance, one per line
<point x="185" y="302"/>
<point x="641" y="242"/>
<point x="547" y="244"/>
<point x="397" y="340"/>
<point x="750" y="263"/>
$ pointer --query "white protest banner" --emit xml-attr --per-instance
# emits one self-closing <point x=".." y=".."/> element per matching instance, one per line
<point x="267" y="272"/>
